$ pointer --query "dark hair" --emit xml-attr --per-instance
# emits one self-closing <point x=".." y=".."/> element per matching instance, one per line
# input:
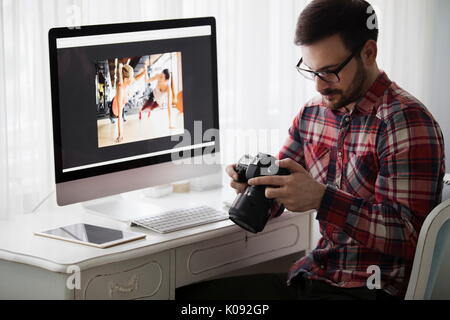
<point x="354" y="20"/>
<point x="166" y="73"/>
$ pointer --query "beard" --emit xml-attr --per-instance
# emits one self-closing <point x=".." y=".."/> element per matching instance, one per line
<point x="353" y="93"/>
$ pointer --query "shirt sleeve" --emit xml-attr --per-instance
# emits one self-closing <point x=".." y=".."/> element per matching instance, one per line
<point x="408" y="186"/>
<point x="292" y="148"/>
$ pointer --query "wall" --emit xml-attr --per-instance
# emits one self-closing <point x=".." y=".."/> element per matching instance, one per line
<point x="439" y="78"/>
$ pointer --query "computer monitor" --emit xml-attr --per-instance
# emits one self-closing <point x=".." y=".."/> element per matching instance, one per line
<point x="134" y="105"/>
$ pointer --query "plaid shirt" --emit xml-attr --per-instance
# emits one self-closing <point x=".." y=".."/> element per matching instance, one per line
<point x="383" y="165"/>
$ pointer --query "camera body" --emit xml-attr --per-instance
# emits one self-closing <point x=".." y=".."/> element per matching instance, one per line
<point x="251" y="209"/>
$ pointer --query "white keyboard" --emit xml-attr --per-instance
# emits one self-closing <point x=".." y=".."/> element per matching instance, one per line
<point x="179" y="219"/>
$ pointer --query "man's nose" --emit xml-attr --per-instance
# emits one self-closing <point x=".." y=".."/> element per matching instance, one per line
<point x="321" y="85"/>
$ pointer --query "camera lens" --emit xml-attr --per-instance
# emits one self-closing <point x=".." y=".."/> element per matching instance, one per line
<point x="251" y="209"/>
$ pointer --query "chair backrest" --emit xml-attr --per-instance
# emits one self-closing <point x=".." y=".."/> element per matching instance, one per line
<point x="430" y="276"/>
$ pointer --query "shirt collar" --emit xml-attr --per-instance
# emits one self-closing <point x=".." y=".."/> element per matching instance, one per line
<point x="373" y="95"/>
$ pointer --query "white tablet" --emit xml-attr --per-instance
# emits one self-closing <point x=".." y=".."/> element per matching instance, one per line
<point x="91" y="235"/>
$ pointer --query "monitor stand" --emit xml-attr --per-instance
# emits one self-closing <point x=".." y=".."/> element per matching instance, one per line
<point x="128" y="206"/>
<point x="121" y="207"/>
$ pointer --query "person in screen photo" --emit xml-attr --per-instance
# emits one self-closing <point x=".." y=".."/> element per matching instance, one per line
<point x="125" y="80"/>
<point x="162" y="95"/>
<point x="128" y="87"/>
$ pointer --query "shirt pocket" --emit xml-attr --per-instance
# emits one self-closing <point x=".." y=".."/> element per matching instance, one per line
<point x="361" y="174"/>
<point x="317" y="160"/>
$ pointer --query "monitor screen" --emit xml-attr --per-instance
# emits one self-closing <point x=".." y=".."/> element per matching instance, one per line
<point x="131" y="95"/>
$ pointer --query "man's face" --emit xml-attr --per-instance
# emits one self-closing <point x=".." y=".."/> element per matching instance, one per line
<point x="328" y="54"/>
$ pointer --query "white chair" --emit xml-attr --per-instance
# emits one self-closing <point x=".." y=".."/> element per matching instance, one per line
<point x="430" y="276"/>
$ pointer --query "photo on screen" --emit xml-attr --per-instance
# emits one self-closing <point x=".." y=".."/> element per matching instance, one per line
<point x="139" y="98"/>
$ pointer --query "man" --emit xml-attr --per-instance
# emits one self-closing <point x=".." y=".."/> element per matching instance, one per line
<point x="365" y="154"/>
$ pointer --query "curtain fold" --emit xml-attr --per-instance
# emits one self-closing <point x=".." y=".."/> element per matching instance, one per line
<point x="259" y="89"/>
<point x="25" y="107"/>
<point x="3" y="137"/>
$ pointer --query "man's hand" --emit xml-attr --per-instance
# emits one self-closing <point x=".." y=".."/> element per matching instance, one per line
<point x="298" y="192"/>
<point x="239" y="187"/>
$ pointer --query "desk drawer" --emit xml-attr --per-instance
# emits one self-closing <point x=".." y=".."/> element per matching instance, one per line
<point x="210" y="258"/>
<point x="146" y="277"/>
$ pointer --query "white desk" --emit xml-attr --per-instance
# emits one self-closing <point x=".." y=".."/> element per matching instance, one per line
<point x="33" y="267"/>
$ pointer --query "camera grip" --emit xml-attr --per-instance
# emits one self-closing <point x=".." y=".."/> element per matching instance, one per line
<point x="240" y="170"/>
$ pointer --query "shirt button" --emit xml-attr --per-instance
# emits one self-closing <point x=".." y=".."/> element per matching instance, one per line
<point x="322" y="267"/>
<point x="340" y="154"/>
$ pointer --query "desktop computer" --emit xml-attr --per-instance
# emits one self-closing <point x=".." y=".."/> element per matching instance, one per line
<point x="134" y="105"/>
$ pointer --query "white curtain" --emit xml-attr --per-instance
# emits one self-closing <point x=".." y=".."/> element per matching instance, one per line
<point x="259" y="89"/>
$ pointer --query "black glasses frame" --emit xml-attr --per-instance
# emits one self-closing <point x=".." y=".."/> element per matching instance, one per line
<point x="321" y="74"/>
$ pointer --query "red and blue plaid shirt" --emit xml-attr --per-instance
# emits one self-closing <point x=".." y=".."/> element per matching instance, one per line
<point x="383" y="165"/>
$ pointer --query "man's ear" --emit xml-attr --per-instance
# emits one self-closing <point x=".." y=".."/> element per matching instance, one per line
<point x="369" y="53"/>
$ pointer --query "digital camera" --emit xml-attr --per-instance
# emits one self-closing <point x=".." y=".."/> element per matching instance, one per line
<point x="251" y="209"/>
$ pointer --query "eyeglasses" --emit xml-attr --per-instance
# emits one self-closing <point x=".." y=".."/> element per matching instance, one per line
<point x="330" y="76"/>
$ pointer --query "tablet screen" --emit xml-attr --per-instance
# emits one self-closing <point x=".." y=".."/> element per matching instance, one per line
<point x="90" y="234"/>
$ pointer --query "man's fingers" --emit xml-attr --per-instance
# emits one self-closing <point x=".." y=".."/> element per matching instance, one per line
<point x="239" y="187"/>
<point x="231" y="172"/>
<point x="291" y="165"/>
<point x="268" y="181"/>
<point x="275" y="193"/>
